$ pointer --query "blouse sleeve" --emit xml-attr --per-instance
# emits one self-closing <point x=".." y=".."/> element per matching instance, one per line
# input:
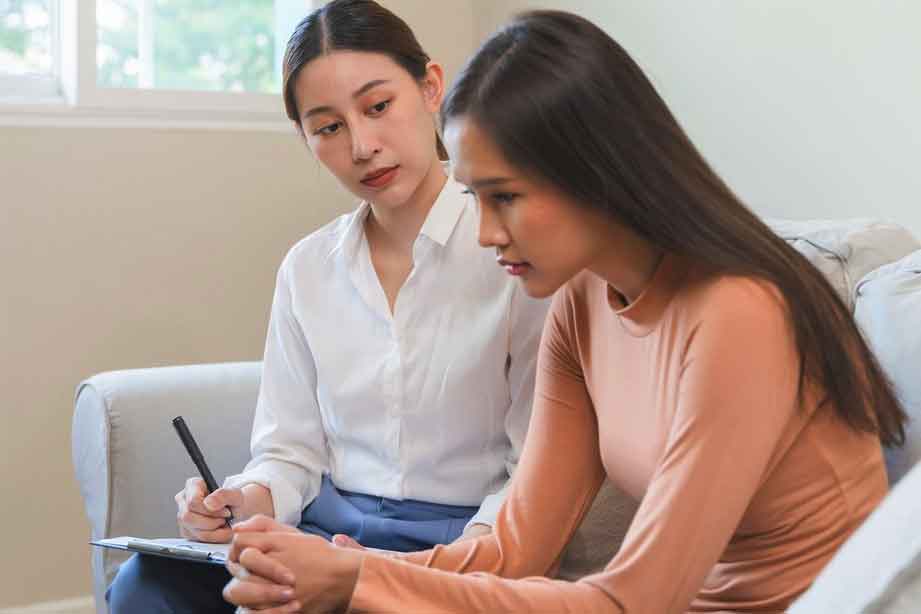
<point x="526" y="320"/>
<point x="288" y="441"/>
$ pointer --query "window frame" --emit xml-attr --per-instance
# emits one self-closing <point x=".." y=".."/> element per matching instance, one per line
<point x="73" y="97"/>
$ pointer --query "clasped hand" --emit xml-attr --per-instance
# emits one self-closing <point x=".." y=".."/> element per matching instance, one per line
<point x="277" y="569"/>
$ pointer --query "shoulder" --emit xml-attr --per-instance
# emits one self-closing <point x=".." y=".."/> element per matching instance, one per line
<point x="728" y="295"/>
<point x="740" y="307"/>
<point x="572" y="307"/>
<point x="313" y="251"/>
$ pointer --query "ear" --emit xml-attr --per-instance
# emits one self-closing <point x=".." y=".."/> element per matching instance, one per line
<point x="433" y="86"/>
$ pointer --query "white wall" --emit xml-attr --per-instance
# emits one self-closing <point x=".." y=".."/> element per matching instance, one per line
<point x="136" y="247"/>
<point x="807" y="109"/>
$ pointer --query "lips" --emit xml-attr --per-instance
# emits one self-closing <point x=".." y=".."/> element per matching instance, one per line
<point x="514" y="268"/>
<point x="380" y="177"/>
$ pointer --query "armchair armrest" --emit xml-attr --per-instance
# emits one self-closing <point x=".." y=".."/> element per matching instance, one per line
<point x="130" y="463"/>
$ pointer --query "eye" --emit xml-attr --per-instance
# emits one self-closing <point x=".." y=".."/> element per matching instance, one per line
<point x="503" y="198"/>
<point x="329" y="130"/>
<point x="377" y="109"/>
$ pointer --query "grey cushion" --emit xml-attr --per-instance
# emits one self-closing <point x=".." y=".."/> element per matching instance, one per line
<point x="599" y="537"/>
<point x="846" y="250"/>
<point x="889" y="314"/>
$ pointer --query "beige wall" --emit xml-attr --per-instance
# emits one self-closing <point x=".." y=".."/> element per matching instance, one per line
<point x="136" y="247"/>
<point x="808" y="109"/>
<point x="125" y="248"/>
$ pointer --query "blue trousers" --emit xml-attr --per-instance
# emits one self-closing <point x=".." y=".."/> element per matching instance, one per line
<point x="150" y="584"/>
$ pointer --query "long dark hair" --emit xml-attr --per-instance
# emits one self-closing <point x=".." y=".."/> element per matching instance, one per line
<point x="564" y="101"/>
<point x="351" y="25"/>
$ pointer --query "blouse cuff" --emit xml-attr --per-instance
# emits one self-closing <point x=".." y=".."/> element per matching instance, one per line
<point x="286" y="500"/>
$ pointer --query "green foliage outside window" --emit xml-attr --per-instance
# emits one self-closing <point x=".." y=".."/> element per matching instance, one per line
<point x="198" y="45"/>
<point x="24" y="36"/>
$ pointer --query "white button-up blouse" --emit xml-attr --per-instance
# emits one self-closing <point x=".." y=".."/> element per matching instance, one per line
<point x="429" y="403"/>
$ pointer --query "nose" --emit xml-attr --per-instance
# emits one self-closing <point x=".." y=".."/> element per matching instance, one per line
<point x="364" y="142"/>
<point x="491" y="232"/>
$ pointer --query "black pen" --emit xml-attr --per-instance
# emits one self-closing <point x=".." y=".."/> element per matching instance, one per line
<point x="192" y="448"/>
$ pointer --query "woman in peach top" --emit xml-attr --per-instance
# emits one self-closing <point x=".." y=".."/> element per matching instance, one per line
<point x="690" y="355"/>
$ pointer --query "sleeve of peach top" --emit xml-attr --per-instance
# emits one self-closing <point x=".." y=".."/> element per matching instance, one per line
<point x="557" y="478"/>
<point x="738" y="393"/>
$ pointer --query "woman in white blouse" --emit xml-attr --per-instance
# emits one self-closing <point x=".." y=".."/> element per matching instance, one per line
<point x="397" y="378"/>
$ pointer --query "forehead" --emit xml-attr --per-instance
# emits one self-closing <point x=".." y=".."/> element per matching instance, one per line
<point x="340" y="73"/>
<point x="474" y="154"/>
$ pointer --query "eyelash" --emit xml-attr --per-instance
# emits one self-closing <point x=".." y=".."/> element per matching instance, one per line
<point x="385" y="103"/>
<point x="328" y="130"/>
<point x="372" y="111"/>
<point x="499" y="198"/>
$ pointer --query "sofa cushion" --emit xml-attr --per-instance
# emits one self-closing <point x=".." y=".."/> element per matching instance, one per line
<point x="878" y="570"/>
<point x="889" y="314"/>
<point x="846" y="250"/>
<point x="600" y="535"/>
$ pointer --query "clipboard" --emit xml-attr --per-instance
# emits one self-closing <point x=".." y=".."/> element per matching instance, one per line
<point x="173" y="548"/>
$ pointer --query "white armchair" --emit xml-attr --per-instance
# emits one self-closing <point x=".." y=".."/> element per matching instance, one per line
<point x="128" y="459"/>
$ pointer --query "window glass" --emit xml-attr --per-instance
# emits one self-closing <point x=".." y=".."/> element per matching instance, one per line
<point x="25" y="37"/>
<point x="210" y="45"/>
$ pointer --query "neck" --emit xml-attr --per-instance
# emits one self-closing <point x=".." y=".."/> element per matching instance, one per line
<point x="629" y="265"/>
<point x="401" y="225"/>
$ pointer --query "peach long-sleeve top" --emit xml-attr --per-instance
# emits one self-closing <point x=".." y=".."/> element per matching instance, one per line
<point x="687" y="400"/>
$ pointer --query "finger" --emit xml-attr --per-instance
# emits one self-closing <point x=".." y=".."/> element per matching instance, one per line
<point x="288" y="608"/>
<point x="223" y="498"/>
<point x="292" y="606"/>
<point x="257" y="595"/>
<point x="220" y="536"/>
<point x="344" y="541"/>
<point x="264" y="542"/>
<point x="261" y="523"/>
<point x="260" y="564"/>
<point x="240" y="572"/>
<point x="197" y="505"/>
<point x="195" y="487"/>
<point x="201" y="522"/>
<point x="194" y="497"/>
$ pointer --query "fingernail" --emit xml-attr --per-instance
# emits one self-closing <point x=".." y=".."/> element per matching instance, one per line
<point x="294" y="606"/>
<point x="287" y="593"/>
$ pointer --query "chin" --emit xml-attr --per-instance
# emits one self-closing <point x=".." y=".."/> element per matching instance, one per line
<point x="538" y="290"/>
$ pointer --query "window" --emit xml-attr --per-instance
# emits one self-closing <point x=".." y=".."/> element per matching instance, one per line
<point x="163" y="60"/>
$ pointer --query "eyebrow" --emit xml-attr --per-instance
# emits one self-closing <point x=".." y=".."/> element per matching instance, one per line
<point x="370" y="85"/>
<point x="488" y="182"/>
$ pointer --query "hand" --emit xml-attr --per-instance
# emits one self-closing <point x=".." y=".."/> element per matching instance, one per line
<point x="475" y="530"/>
<point x="264" y="561"/>
<point x="203" y="517"/>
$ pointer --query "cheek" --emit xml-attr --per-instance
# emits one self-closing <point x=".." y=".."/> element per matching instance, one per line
<point x="412" y="129"/>
<point x="332" y="153"/>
